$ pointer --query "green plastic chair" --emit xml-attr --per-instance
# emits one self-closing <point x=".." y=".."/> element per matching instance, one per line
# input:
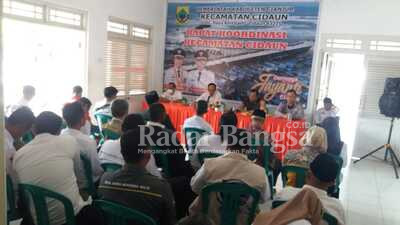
<point x="267" y="151"/>
<point x="163" y="159"/>
<point x="192" y="136"/>
<point x="331" y="220"/>
<point x="110" y="135"/>
<point x="339" y="161"/>
<point x="231" y="194"/>
<point x="116" y="214"/>
<point x="12" y="211"/>
<point x="110" y="167"/>
<point x="90" y="186"/>
<point x="27" y="137"/>
<point x="300" y="172"/>
<point x="38" y="196"/>
<point x="207" y="155"/>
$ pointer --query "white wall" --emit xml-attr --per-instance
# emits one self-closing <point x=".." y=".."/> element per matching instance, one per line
<point x="147" y="12"/>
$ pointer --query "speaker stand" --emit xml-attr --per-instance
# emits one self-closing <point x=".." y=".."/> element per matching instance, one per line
<point x="389" y="151"/>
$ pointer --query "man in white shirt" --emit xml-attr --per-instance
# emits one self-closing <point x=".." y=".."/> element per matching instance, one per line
<point x="104" y="106"/>
<point x="215" y="143"/>
<point x="16" y="125"/>
<point x="171" y="94"/>
<point x="177" y="74"/>
<point x="212" y="96"/>
<point x="197" y="121"/>
<point x="110" y="151"/>
<point x="322" y="174"/>
<point x="198" y="79"/>
<point x="28" y="94"/>
<point x="329" y="110"/>
<point x="74" y="116"/>
<point x="48" y="162"/>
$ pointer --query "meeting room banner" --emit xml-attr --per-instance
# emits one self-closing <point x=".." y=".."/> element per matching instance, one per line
<point x="266" y="46"/>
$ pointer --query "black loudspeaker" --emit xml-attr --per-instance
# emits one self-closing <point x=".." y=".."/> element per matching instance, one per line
<point x="389" y="103"/>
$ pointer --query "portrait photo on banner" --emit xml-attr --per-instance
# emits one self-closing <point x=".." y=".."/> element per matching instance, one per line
<point x="263" y="46"/>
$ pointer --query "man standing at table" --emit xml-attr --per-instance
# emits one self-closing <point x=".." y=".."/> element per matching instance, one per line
<point x="198" y="79"/>
<point x="212" y="96"/>
<point x="290" y="109"/>
<point x="177" y="74"/>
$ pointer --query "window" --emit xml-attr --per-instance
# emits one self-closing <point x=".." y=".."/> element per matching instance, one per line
<point x="343" y="43"/>
<point x="127" y="57"/>
<point x="44" y="13"/>
<point x="384" y="46"/>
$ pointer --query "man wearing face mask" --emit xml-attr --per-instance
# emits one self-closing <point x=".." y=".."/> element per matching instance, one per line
<point x="199" y="78"/>
<point x="171" y="94"/>
<point x="177" y="74"/>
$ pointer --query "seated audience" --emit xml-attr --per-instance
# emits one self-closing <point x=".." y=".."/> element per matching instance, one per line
<point x="215" y="143"/>
<point x="86" y="104"/>
<point x="257" y="121"/>
<point x="197" y="219"/>
<point x="233" y="166"/>
<point x="253" y="102"/>
<point x="303" y="209"/>
<point x="171" y="94"/>
<point x="335" y="145"/>
<point x="314" y="142"/>
<point x="321" y="175"/>
<point x="48" y="162"/>
<point x="213" y="97"/>
<point x="164" y="141"/>
<point x="153" y="98"/>
<point x="16" y="125"/>
<point x="197" y="121"/>
<point x="110" y="151"/>
<point x="134" y="187"/>
<point x="77" y="93"/>
<point x="104" y="106"/>
<point x="74" y="116"/>
<point x="158" y="131"/>
<point x="290" y="109"/>
<point x="329" y="110"/>
<point x="119" y="110"/>
<point x="28" y="93"/>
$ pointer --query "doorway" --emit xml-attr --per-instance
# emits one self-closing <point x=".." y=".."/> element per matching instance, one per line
<point x="342" y="79"/>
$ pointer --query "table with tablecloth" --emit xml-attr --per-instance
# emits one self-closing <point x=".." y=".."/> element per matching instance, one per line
<point x="285" y="133"/>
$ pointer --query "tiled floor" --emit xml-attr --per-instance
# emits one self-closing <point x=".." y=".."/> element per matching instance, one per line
<point x="370" y="193"/>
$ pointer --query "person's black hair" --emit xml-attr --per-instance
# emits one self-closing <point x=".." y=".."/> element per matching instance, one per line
<point x="327" y="100"/>
<point x="110" y="92"/>
<point x="28" y="90"/>
<point x="23" y="116"/>
<point x="48" y="122"/>
<point x="77" y="89"/>
<point x="157" y="112"/>
<point x="196" y="219"/>
<point x="119" y="108"/>
<point x="212" y="84"/>
<point x="292" y="91"/>
<point x="237" y="141"/>
<point x="229" y="120"/>
<point x="85" y="101"/>
<point x="332" y="129"/>
<point x="173" y="84"/>
<point x="201" y="107"/>
<point x="152" y="97"/>
<point x="131" y="122"/>
<point x="325" y="168"/>
<point x="73" y="113"/>
<point x="132" y="149"/>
